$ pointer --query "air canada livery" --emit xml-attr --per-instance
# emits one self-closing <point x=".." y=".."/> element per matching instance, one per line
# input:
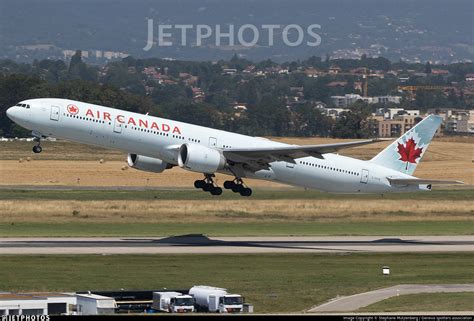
<point x="156" y="144"/>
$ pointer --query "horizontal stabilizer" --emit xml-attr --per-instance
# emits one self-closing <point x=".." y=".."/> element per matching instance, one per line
<point x="418" y="181"/>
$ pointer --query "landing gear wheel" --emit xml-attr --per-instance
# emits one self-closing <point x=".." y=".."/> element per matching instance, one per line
<point x="199" y="183"/>
<point x="237" y="188"/>
<point x="37" y="149"/>
<point x="207" y="187"/>
<point x="246" y="191"/>
<point x="216" y="191"/>
<point x="229" y="184"/>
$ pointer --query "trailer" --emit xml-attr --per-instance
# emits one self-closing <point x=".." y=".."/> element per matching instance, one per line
<point x="212" y="299"/>
<point x="173" y="302"/>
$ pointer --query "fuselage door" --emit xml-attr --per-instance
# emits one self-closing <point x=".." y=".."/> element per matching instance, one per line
<point x="212" y="142"/>
<point x="117" y="126"/>
<point x="54" y="113"/>
<point x="364" y="178"/>
<point x="290" y="165"/>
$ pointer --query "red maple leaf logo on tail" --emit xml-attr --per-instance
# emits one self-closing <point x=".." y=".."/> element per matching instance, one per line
<point x="409" y="152"/>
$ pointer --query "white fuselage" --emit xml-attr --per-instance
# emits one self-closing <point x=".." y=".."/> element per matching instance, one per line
<point x="161" y="138"/>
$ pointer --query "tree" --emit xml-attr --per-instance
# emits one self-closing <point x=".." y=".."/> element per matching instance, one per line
<point x="354" y="123"/>
<point x="200" y="114"/>
<point x="269" y="117"/>
<point x="247" y="93"/>
<point x="428" y="68"/>
<point x="80" y="70"/>
<point x="308" y="121"/>
<point x="15" y="88"/>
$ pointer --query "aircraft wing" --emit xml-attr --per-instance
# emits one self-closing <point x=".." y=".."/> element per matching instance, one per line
<point x="418" y="181"/>
<point x="259" y="158"/>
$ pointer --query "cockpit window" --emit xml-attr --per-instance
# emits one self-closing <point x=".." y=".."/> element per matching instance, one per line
<point x="23" y="105"/>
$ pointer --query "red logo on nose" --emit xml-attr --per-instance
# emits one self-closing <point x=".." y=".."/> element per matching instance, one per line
<point x="72" y="109"/>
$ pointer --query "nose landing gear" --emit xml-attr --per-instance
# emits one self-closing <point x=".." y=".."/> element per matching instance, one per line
<point x="37" y="148"/>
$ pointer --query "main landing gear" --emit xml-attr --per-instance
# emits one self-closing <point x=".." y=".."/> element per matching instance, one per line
<point x="208" y="185"/>
<point x="237" y="186"/>
<point x="37" y="148"/>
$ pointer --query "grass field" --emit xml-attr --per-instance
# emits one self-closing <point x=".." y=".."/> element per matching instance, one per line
<point x="193" y="194"/>
<point x="84" y="228"/>
<point x="269" y="212"/>
<point x="176" y="208"/>
<point x="463" y="301"/>
<point x="265" y="280"/>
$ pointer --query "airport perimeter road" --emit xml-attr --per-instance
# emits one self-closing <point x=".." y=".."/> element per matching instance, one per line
<point x="223" y="245"/>
<point x="357" y="301"/>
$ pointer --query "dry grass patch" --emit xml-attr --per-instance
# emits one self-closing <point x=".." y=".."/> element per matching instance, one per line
<point x="205" y="211"/>
<point x="94" y="173"/>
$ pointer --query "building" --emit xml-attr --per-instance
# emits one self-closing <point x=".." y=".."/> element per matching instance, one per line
<point x="312" y="72"/>
<point x="395" y="127"/>
<point x="387" y="99"/>
<point x="412" y="112"/>
<point x="349" y="99"/>
<point x="390" y="113"/>
<point x="333" y="112"/>
<point x="346" y="100"/>
<point x="18" y="304"/>
<point x="58" y="303"/>
<point x="198" y="94"/>
<point x="334" y="70"/>
<point x="460" y="122"/>
<point x="469" y="77"/>
<point x="38" y="303"/>
<point x="441" y="72"/>
<point x="229" y="71"/>
<point x="240" y="107"/>
<point x="93" y="304"/>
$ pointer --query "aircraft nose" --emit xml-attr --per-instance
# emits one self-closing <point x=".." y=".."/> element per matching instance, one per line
<point x="11" y="113"/>
<point x="14" y="113"/>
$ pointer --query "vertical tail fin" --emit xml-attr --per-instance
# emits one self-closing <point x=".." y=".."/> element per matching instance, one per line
<point x="407" y="151"/>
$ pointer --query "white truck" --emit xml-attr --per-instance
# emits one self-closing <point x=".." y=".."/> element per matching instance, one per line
<point x="174" y="302"/>
<point x="212" y="299"/>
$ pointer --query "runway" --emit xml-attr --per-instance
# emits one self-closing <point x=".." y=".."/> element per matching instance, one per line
<point x="200" y="244"/>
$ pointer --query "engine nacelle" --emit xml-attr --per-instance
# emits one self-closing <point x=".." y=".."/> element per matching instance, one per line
<point x="201" y="159"/>
<point x="148" y="164"/>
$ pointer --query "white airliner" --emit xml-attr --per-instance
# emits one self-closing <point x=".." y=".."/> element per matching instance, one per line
<point x="156" y="144"/>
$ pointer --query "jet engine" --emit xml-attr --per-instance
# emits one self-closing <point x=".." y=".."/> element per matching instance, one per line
<point x="148" y="164"/>
<point x="201" y="159"/>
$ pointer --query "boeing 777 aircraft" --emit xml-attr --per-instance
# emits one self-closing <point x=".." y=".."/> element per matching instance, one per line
<point x="156" y="144"/>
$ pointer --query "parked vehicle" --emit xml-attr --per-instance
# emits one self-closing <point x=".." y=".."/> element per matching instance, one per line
<point x="212" y="299"/>
<point x="174" y="302"/>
